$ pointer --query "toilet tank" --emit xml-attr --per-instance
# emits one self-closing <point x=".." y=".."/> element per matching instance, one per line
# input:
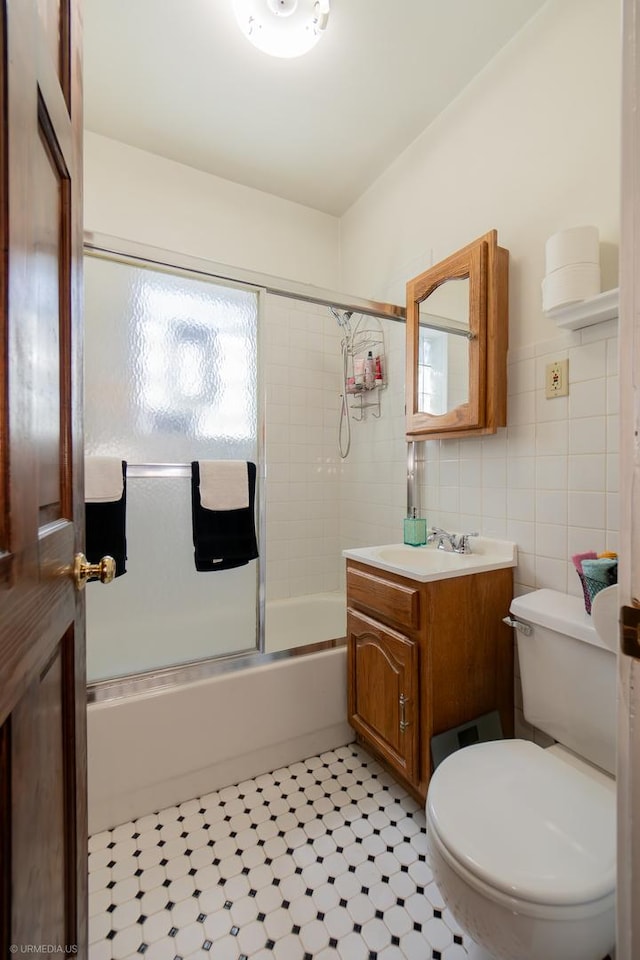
<point x="568" y="675"/>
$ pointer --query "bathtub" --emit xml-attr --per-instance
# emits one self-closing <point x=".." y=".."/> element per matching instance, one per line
<point x="151" y="750"/>
<point x="298" y="621"/>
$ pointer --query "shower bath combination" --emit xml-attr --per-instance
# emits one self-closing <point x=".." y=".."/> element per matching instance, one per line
<point x="194" y="390"/>
<point x="196" y="372"/>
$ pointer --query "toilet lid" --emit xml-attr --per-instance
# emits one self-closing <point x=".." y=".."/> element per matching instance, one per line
<point x="525" y="822"/>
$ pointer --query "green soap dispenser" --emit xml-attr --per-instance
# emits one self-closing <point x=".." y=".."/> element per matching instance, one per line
<point x="415" y="530"/>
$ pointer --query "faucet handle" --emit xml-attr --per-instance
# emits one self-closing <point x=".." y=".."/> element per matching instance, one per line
<point x="454" y="542"/>
<point x="463" y="541"/>
<point x="437" y="532"/>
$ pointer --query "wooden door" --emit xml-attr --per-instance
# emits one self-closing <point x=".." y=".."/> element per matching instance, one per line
<point x="383" y="691"/>
<point x="43" y="865"/>
<point x="628" y="768"/>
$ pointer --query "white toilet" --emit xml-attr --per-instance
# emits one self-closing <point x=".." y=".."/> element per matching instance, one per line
<point x="522" y="840"/>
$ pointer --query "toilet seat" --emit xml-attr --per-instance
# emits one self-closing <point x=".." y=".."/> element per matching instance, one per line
<point x="515" y="906"/>
<point x="523" y="825"/>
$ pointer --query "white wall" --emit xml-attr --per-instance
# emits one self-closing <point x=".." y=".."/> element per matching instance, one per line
<point x="145" y="198"/>
<point x="530" y="147"/>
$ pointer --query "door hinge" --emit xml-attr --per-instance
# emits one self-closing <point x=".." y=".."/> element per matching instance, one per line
<point x="630" y="631"/>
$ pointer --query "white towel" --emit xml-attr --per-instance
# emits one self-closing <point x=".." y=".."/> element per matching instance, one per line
<point x="103" y="482"/>
<point x="224" y="484"/>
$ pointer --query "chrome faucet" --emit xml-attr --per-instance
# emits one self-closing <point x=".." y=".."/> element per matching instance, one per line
<point x="451" y="542"/>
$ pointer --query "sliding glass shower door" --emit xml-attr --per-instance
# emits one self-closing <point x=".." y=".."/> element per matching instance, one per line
<point x="171" y="376"/>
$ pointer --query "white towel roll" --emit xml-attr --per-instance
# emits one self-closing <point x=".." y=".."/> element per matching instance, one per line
<point x="575" y="245"/>
<point x="571" y="284"/>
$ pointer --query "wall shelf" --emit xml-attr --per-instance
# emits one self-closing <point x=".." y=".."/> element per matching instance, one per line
<point x="584" y="314"/>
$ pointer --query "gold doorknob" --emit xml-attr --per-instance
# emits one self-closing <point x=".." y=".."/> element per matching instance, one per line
<point x="104" y="570"/>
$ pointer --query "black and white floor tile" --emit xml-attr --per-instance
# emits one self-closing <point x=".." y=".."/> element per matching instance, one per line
<point x="321" y="860"/>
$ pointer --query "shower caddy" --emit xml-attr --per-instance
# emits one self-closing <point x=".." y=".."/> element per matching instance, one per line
<point x="358" y="344"/>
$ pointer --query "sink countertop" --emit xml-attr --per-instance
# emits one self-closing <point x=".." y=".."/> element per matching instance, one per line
<point x="428" y="563"/>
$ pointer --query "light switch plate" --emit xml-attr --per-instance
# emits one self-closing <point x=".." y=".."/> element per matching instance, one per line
<point x="557" y="379"/>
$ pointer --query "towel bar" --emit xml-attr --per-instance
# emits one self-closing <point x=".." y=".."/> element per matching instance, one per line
<point x="145" y="470"/>
<point x="159" y="470"/>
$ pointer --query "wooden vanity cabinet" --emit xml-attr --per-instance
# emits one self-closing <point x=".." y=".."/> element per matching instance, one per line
<point x="423" y="658"/>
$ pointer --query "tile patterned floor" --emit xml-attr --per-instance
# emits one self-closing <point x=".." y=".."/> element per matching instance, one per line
<point x="321" y="860"/>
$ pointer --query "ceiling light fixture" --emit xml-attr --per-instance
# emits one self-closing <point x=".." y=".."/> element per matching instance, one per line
<point x="282" y="28"/>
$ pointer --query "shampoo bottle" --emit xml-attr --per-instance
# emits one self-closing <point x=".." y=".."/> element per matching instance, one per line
<point x="369" y="371"/>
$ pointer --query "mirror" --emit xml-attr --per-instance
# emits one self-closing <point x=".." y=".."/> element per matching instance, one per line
<point x="457" y="328"/>
<point x="443" y="358"/>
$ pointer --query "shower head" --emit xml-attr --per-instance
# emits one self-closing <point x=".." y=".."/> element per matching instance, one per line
<point x="344" y="318"/>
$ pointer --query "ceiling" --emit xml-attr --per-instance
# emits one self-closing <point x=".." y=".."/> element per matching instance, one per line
<point x="177" y="78"/>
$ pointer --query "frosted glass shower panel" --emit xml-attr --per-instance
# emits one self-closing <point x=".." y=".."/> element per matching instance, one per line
<point x="162" y="613"/>
<point x="170" y="377"/>
<point x="170" y="365"/>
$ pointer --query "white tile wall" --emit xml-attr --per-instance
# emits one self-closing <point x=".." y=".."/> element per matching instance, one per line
<point x="301" y="371"/>
<point x="373" y="486"/>
<point x="549" y="480"/>
<point x="316" y="503"/>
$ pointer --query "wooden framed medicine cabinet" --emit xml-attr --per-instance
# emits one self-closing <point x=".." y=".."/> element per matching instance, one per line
<point x="457" y="337"/>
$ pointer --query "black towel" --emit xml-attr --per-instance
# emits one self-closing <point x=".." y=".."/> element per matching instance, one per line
<point x="106" y="529"/>
<point x="223" y="539"/>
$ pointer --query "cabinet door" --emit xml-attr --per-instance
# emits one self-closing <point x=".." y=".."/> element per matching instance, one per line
<point x="457" y="324"/>
<point x="383" y="691"/>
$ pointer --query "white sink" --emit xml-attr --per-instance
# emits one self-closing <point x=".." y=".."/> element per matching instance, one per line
<point x="429" y="563"/>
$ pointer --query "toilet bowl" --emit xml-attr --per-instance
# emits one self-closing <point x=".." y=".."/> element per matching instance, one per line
<point x="521" y="839"/>
<point x="521" y="842"/>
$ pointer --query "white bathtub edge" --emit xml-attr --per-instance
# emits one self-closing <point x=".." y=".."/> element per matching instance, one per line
<point x="147" y="753"/>
<point x="108" y="812"/>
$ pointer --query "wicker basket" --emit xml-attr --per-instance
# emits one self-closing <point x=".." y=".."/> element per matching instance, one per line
<point x="591" y="587"/>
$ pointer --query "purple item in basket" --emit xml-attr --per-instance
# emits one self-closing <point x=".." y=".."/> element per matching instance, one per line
<point x="579" y="557"/>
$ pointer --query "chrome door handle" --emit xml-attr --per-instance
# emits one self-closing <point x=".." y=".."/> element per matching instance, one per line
<point x="404" y="723"/>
